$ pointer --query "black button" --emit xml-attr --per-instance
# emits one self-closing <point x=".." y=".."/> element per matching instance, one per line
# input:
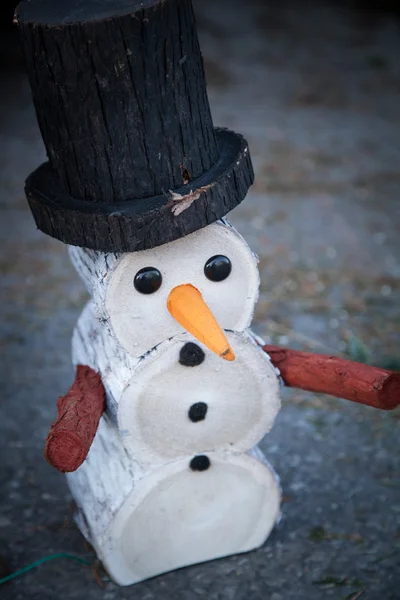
<point x="198" y="411"/>
<point x="200" y="463"/>
<point x="191" y="355"/>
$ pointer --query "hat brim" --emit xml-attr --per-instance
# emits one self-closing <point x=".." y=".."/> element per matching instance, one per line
<point x="143" y="223"/>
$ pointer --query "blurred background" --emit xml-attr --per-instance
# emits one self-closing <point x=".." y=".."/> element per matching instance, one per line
<point x="315" y="88"/>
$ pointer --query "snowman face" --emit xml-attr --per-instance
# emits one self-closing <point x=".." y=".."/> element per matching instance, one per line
<point x="215" y="261"/>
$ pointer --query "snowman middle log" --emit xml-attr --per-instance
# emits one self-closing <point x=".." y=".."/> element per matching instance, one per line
<point x="150" y="398"/>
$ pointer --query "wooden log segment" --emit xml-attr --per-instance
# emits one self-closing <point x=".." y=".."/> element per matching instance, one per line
<point x="79" y="412"/>
<point x="338" y="377"/>
<point x="140" y="321"/>
<point x="120" y="94"/>
<point x="150" y="398"/>
<point x="143" y="523"/>
<point x="121" y="100"/>
<point x="103" y="481"/>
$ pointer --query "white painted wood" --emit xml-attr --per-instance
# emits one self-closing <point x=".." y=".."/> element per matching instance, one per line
<point x="95" y="268"/>
<point x="141" y="322"/>
<point x="144" y="524"/>
<point x="95" y="346"/>
<point x="150" y="398"/>
<point x="139" y="503"/>
<point x="102" y="482"/>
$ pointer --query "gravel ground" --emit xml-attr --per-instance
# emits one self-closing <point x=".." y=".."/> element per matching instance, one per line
<point x="315" y="89"/>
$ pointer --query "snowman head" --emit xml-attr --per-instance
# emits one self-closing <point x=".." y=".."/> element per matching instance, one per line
<point x="203" y="283"/>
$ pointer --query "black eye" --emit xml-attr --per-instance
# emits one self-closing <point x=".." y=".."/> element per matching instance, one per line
<point x="217" y="268"/>
<point x="147" y="280"/>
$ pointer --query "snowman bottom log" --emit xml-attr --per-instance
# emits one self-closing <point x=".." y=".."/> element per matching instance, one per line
<point x="191" y="510"/>
<point x="338" y="377"/>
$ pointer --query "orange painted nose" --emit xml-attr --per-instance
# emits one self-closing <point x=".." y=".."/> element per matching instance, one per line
<point x="186" y="305"/>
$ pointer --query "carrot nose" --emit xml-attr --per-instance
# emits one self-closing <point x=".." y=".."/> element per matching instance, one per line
<point x="186" y="305"/>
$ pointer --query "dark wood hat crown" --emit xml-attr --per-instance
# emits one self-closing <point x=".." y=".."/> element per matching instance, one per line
<point x="121" y="101"/>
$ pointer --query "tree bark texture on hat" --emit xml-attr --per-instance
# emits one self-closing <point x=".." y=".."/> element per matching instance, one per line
<point x="120" y="96"/>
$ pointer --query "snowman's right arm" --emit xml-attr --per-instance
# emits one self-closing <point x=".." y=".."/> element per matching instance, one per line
<point x="79" y="412"/>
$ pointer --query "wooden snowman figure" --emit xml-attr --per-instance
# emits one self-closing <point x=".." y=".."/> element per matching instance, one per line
<point x="172" y="393"/>
<point x="172" y="477"/>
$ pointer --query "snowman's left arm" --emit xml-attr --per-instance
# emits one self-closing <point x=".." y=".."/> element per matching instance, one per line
<point x="337" y="376"/>
<point x="79" y="412"/>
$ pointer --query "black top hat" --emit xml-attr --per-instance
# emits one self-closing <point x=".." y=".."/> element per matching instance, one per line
<point x="120" y="96"/>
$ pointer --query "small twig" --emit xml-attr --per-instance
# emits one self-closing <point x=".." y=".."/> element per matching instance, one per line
<point x="355" y="596"/>
<point x="98" y="570"/>
<point x="95" y="570"/>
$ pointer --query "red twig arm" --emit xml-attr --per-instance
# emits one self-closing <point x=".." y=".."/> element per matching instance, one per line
<point x="338" y="377"/>
<point x="79" y="412"/>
